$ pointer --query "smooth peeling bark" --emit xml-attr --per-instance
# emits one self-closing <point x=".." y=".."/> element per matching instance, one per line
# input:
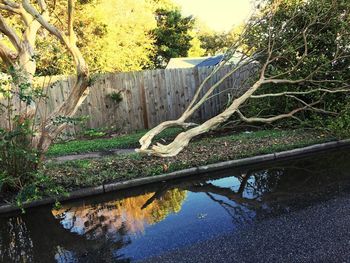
<point x="194" y="105"/>
<point x="49" y="130"/>
<point x="183" y="139"/>
<point x="22" y="58"/>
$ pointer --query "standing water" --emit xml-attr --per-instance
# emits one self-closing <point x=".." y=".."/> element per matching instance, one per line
<point x="143" y="222"/>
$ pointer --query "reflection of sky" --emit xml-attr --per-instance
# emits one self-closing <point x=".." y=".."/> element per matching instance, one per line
<point x="65" y="256"/>
<point x="234" y="183"/>
<point x="199" y="219"/>
<point x="73" y="223"/>
<point x="202" y="216"/>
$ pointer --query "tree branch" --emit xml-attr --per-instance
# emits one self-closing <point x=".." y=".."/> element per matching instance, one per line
<point x="271" y="119"/>
<point x="78" y="58"/>
<point x="10" y="9"/>
<point x="7" y="55"/>
<point x="298" y="93"/>
<point x="71" y="34"/>
<point x="10" y="33"/>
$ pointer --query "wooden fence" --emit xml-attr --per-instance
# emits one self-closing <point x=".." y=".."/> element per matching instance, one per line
<point x="147" y="97"/>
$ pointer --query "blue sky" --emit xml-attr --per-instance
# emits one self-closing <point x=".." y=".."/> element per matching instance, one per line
<point x="219" y="15"/>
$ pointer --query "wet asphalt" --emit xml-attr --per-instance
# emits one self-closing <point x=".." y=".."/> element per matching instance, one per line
<point x="320" y="233"/>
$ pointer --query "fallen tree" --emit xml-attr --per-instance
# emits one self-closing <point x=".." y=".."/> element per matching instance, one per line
<point x="299" y="50"/>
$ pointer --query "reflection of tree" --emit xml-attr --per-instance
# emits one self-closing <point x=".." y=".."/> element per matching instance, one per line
<point x="121" y="217"/>
<point x="15" y="242"/>
<point x="237" y="211"/>
<point x="35" y="238"/>
<point x="238" y="208"/>
<point x="274" y="188"/>
<point x="97" y="231"/>
<point x="303" y="181"/>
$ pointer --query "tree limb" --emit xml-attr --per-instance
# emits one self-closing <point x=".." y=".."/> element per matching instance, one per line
<point x="7" y="55"/>
<point x="10" y="33"/>
<point x="298" y="93"/>
<point x="270" y="119"/>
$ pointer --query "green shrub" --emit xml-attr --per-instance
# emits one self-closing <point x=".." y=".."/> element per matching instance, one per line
<point x="40" y="186"/>
<point x="18" y="161"/>
<point x="340" y="126"/>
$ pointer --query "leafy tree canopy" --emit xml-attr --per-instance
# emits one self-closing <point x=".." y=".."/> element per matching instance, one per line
<point x="323" y="51"/>
<point x="114" y="35"/>
<point x="172" y="36"/>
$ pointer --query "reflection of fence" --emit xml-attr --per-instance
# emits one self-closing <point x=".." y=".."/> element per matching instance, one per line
<point x="147" y="97"/>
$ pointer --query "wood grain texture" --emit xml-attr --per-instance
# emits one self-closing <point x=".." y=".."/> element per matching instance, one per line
<point x="148" y="97"/>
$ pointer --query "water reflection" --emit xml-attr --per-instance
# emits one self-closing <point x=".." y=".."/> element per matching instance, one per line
<point x="15" y="243"/>
<point x="138" y="223"/>
<point x="116" y="218"/>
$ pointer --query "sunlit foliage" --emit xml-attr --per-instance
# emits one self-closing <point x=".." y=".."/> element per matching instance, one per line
<point x="114" y="35"/>
<point x="132" y="214"/>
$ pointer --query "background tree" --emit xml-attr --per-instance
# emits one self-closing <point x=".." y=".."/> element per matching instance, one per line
<point x="284" y="45"/>
<point x="112" y="35"/>
<point x="196" y="49"/>
<point x="172" y="36"/>
<point x="218" y="42"/>
<point x="116" y="36"/>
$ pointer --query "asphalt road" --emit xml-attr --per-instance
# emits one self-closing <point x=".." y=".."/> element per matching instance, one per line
<point x="320" y="233"/>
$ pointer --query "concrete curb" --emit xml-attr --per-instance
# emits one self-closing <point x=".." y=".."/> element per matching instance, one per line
<point x="182" y="173"/>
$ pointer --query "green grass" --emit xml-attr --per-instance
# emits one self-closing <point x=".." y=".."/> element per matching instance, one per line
<point x="212" y="148"/>
<point x="131" y="141"/>
<point x="84" y="173"/>
<point x="122" y="142"/>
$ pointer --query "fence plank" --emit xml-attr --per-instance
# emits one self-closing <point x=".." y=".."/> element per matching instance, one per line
<point x="148" y="97"/>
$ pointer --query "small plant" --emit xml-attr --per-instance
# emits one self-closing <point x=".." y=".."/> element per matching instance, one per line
<point x="116" y="97"/>
<point x="340" y="126"/>
<point x="18" y="160"/>
<point x="93" y="79"/>
<point x="94" y="133"/>
<point x="70" y="120"/>
<point x="41" y="186"/>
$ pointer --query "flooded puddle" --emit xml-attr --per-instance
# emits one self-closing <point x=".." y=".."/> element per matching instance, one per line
<point x="143" y="222"/>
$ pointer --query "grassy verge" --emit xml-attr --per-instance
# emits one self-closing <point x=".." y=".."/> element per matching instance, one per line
<point x="85" y="173"/>
<point x="56" y="179"/>
<point x="122" y="142"/>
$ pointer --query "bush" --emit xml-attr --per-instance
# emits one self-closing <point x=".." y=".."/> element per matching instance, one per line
<point x="18" y="161"/>
<point x="340" y="126"/>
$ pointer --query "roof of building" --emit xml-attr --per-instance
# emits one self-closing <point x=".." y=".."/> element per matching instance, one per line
<point x="211" y="61"/>
<point x="193" y="62"/>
